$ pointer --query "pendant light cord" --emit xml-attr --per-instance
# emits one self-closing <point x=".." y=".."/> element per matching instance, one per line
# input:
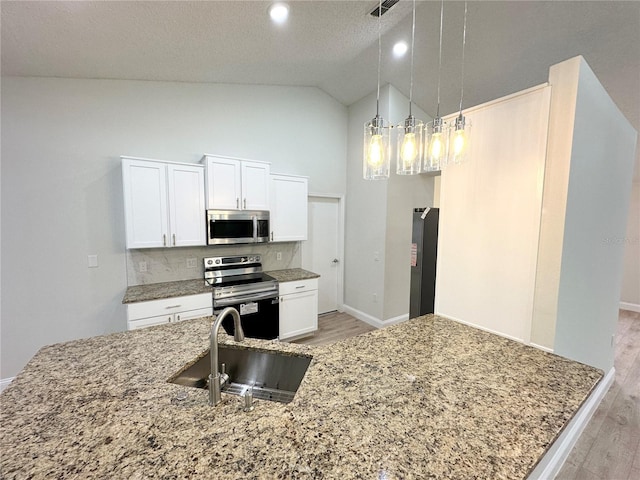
<point x="464" y="39"/>
<point x="440" y="56"/>
<point x="379" y="58"/>
<point x="413" y="40"/>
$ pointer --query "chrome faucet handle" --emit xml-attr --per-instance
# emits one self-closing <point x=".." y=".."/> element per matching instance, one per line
<point x="248" y="399"/>
<point x="224" y="378"/>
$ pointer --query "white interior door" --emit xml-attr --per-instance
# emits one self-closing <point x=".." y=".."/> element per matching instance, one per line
<point x="321" y="252"/>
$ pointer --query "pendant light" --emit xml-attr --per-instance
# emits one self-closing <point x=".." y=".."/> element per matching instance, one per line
<point x="409" y="146"/>
<point x="435" y="157"/>
<point x="376" y="151"/>
<point x="460" y="134"/>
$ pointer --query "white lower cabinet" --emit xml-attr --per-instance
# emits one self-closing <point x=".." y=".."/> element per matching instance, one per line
<point x="298" y="308"/>
<point x="167" y="310"/>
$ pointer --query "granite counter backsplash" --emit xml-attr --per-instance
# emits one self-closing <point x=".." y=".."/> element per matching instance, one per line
<point x="428" y="398"/>
<point x="157" y="291"/>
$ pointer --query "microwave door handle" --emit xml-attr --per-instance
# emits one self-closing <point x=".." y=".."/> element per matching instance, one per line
<point x="255" y="228"/>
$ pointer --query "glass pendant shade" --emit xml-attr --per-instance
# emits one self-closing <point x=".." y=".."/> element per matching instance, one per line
<point x="409" y="147"/>
<point x="376" y="148"/>
<point x="459" y="140"/>
<point x="435" y="157"/>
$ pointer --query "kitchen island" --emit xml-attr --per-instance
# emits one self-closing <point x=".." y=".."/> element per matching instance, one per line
<point x="428" y="398"/>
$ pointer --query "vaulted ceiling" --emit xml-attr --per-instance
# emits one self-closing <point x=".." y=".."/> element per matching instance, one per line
<point x="328" y="44"/>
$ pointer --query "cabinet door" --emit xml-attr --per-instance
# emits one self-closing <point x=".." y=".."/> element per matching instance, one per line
<point x="255" y="186"/>
<point x="288" y="208"/>
<point x="145" y="203"/>
<point x="298" y="314"/>
<point x="223" y="184"/>
<point x="186" y="205"/>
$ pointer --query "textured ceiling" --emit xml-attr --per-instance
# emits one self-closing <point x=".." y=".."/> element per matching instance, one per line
<point x="328" y="44"/>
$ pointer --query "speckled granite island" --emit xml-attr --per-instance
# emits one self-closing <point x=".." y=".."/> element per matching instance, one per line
<point x="429" y="398"/>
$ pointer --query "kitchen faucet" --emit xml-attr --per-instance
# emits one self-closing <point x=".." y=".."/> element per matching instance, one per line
<point x="218" y="378"/>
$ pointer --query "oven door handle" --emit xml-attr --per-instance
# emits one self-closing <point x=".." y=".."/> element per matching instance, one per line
<point x="225" y="302"/>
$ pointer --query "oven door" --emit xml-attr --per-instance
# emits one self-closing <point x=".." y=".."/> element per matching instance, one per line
<point x="259" y="314"/>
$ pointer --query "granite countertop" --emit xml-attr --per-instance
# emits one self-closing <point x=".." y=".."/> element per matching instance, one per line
<point x="292" y="275"/>
<point x="180" y="288"/>
<point x="157" y="291"/>
<point x="428" y="398"/>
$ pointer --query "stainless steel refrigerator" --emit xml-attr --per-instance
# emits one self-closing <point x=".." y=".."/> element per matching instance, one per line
<point x="424" y="254"/>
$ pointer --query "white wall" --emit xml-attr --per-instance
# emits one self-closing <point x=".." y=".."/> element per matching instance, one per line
<point x="404" y="193"/>
<point x="62" y="192"/>
<point x="490" y="209"/>
<point x="599" y="192"/>
<point x="365" y="214"/>
<point x="378" y="219"/>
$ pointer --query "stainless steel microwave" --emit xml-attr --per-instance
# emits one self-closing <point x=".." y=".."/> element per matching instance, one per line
<point x="226" y="227"/>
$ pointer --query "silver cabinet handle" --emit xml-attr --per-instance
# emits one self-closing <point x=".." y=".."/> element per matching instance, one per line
<point x="272" y="235"/>
<point x="164" y="239"/>
<point x="301" y="286"/>
<point x="245" y="204"/>
<point x="174" y="239"/>
<point x="237" y="202"/>
<point x="170" y="319"/>
<point x="172" y="306"/>
<point x="178" y="319"/>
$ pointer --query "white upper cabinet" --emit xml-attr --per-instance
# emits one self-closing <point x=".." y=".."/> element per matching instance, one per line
<point x="235" y="184"/>
<point x="163" y="203"/>
<point x="289" y="198"/>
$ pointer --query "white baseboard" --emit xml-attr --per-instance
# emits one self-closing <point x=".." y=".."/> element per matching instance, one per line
<point x="480" y="327"/>
<point x="371" y="320"/>
<point x="541" y="347"/>
<point x="4" y="383"/>
<point x="552" y="461"/>
<point x="632" y="307"/>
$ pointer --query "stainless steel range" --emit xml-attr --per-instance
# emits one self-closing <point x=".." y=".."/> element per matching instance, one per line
<point x="239" y="282"/>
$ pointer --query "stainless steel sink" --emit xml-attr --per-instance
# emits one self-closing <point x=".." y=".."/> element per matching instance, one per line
<point x="273" y="376"/>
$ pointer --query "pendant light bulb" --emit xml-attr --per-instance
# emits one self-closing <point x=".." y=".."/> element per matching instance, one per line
<point x="410" y="134"/>
<point x="376" y="158"/>
<point x="460" y="135"/>
<point x="376" y="150"/>
<point x="409" y="149"/>
<point x="436" y="155"/>
<point x="460" y="139"/>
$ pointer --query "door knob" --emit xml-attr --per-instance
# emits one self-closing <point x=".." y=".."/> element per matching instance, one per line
<point x="335" y="260"/>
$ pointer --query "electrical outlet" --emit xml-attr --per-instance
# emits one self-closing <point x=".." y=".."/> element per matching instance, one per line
<point x="93" y="261"/>
<point x="142" y="267"/>
<point x="279" y="256"/>
<point x="192" y="262"/>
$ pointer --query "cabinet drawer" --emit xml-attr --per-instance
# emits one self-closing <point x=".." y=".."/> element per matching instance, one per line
<point x="298" y="286"/>
<point x="149" y="322"/>
<point x="168" y="306"/>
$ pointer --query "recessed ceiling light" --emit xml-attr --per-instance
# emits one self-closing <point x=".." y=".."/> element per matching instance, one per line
<point x="400" y="48"/>
<point x="279" y="12"/>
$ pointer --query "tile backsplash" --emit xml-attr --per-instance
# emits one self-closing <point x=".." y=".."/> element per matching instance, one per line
<point x="171" y="264"/>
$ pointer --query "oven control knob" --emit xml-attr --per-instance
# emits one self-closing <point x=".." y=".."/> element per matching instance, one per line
<point x="252" y="259"/>
<point x="218" y="261"/>
<point x="209" y="262"/>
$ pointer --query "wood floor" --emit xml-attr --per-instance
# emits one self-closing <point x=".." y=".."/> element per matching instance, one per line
<point x="336" y="326"/>
<point x="609" y="447"/>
